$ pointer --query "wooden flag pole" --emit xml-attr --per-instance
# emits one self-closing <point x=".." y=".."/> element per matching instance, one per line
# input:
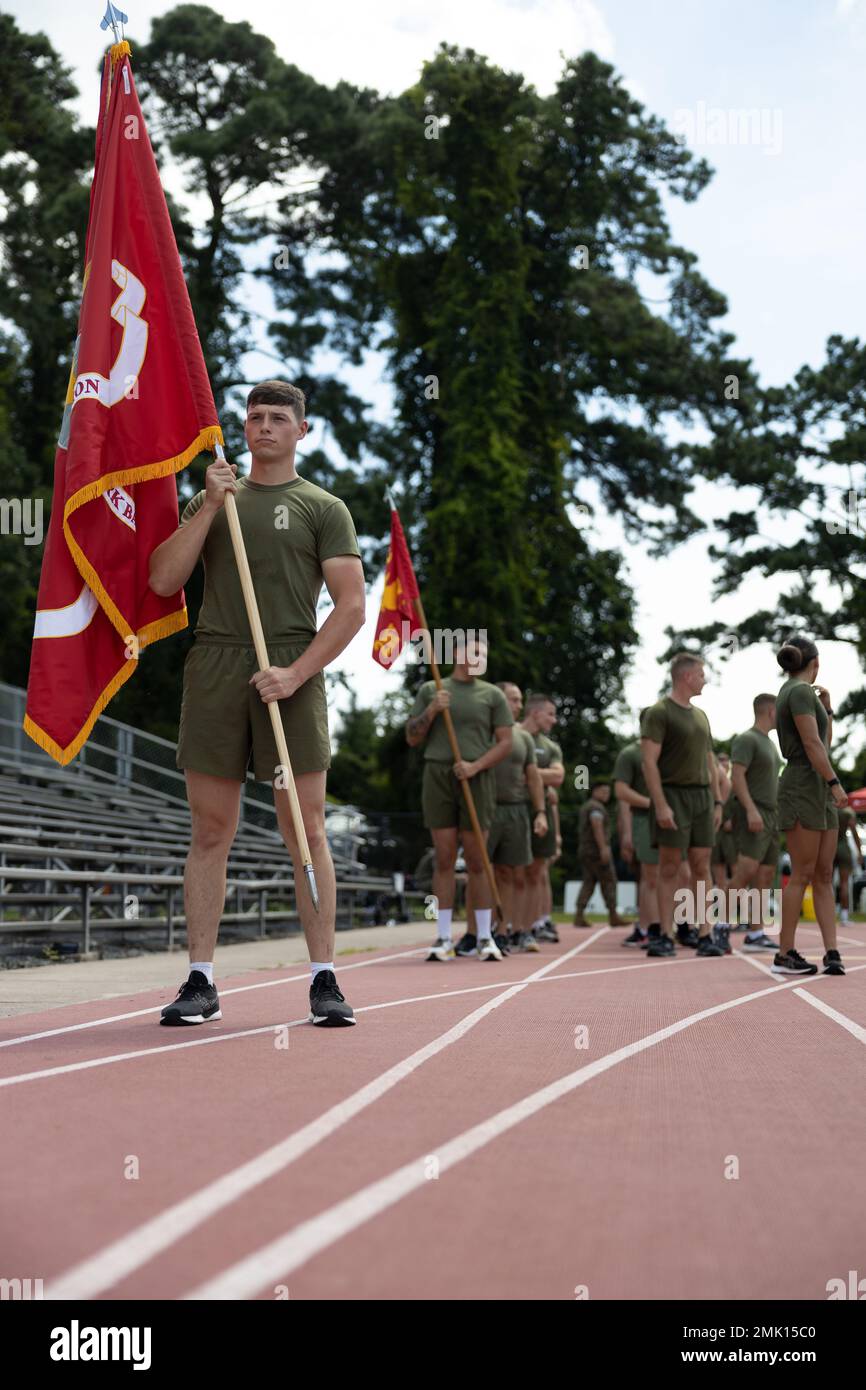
<point x="464" y="781"/>
<point x="252" y="607"/>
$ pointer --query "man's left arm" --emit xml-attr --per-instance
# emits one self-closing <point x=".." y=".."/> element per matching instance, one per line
<point x="344" y="577"/>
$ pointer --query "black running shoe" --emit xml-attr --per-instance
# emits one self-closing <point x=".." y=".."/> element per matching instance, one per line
<point x="502" y="942"/>
<point x="635" y="938"/>
<point x="792" y="963"/>
<point x="721" y="938"/>
<point x="653" y="934"/>
<point x="196" y="1002"/>
<point x="661" y="946"/>
<point x="707" y="947"/>
<point x="467" y="945"/>
<point x="687" y="936"/>
<point x="833" y="964"/>
<point x="327" y="1005"/>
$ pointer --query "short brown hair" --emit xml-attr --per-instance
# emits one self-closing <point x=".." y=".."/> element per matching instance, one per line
<point x="683" y="660"/>
<point x="762" y="702"/>
<point x="279" y="393"/>
<point x="538" y="699"/>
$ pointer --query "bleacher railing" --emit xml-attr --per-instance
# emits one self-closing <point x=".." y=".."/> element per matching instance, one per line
<point x="120" y="754"/>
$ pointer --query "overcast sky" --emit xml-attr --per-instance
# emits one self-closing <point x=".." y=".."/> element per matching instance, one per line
<point x="780" y="230"/>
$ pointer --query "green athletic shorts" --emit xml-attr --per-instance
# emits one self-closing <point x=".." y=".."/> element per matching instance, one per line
<point x="544" y="848"/>
<point x="223" y="719"/>
<point x="443" y="802"/>
<point x="509" y="841"/>
<point x="844" y="858"/>
<point x="645" y="852"/>
<point x="805" y="797"/>
<point x="724" y="849"/>
<point x="766" y="846"/>
<point x="693" y="813"/>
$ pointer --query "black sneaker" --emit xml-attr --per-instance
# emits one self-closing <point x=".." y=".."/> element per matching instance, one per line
<point x="792" y="963"/>
<point x="759" y="941"/>
<point x="707" y="947"/>
<point x="635" y="938"/>
<point x="833" y="964"/>
<point x="467" y="945"/>
<point x="687" y="936"/>
<point x="502" y="942"/>
<point x="196" y="1002"/>
<point x="721" y="938"/>
<point x="661" y="946"/>
<point x="653" y="934"/>
<point x="327" y="1005"/>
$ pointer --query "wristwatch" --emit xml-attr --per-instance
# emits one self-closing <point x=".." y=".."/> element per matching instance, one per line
<point x="834" y="782"/>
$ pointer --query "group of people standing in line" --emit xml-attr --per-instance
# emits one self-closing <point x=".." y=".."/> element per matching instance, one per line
<point x="692" y="821"/>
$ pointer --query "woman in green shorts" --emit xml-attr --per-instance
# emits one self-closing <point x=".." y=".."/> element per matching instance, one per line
<point x="810" y="796"/>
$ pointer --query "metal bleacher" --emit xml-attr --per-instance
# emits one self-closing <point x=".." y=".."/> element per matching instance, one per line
<point x="95" y="851"/>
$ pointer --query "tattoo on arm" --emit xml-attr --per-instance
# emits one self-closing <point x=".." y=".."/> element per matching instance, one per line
<point x="418" y="726"/>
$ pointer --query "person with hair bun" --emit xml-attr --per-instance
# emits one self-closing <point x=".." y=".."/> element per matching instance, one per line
<point x="810" y="796"/>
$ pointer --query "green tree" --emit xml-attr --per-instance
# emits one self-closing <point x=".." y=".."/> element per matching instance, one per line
<point x="798" y="454"/>
<point x="43" y="218"/>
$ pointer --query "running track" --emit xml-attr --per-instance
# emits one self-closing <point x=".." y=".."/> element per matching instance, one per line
<point x="275" y="1159"/>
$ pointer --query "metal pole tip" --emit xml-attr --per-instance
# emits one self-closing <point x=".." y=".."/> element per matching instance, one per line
<point x="311" y="884"/>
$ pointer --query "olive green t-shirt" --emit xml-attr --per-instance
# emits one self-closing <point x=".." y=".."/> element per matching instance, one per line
<point x="798" y="697"/>
<point x="511" y="772"/>
<point x="547" y="751"/>
<point x="628" y="768"/>
<point x="591" y="810"/>
<point x="684" y="734"/>
<point x="289" y="529"/>
<point x="756" y="752"/>
<point x="477" y="708"/>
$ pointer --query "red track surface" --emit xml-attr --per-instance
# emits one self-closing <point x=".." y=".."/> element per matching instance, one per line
<point x="613" y="1180"/>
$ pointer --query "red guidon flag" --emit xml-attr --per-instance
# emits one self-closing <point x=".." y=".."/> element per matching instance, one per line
<point x="397" y="616"/>
<point x="139" y="408"/>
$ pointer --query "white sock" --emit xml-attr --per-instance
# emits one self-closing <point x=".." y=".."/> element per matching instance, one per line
<point x="205" y="966"/>
<point x="539" y="922"/>
<point x="843" y="916"/>
<point x="482" y="921"/>
<point x="317" y="965"/>
<point x="443" y="928"/>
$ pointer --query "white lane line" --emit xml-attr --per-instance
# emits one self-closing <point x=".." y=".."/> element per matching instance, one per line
<point x="129" y="1252"/>
<point x="224" y="993"/>
<point x="69" y="1067"/>
<point x="294" y="1248"/>
<point x="855" y="1029"/>
<point x="758" y="964"/>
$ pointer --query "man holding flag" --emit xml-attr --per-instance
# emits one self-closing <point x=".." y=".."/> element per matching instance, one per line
<point x="298" y="535"/>
<point x="139" y="409"/>
<point x="461" y="748"/>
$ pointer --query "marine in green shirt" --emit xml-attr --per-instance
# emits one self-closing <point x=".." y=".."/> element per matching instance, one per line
<point x="755" y="765"/>
<point x="297" y="537"/>
<point x="682" y="778"/>
<point x="482" y="724"/>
